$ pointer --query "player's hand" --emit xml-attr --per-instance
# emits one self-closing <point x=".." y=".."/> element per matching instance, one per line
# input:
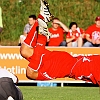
<point x="73" y="37"/>
<point x="93" y="41"/>
<point x="97" y="41"/>
<point x="56" y="22"/>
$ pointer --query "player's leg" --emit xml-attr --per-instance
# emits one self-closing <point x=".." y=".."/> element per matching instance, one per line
<point x="80" y="42"/>
<point x="88" y="44"/>
<point x="95" y="69"/>
<point x="31" y="40"/>
<point x="39" y="49"/>
<point x="43" y="18"/>
<point x="36" y="58"/>
<point x="19" y="93"/>
<point x="69" y="44"/>
<point x="8" y="89"/>
<point x="21" y="39"/>
<point x="26" y="49"/>
<point x="31" y="74"/>
<point x="63" y="43"/>
<point x="43" y="33"/>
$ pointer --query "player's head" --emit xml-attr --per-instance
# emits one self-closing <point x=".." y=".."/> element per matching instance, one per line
<point x="73" y="26"/>
<point x="97" y="18"/>
<point x="31" y="19"/>
<point x="55" y="25"/>
<point x="97" y="21"/>
<point x="45" y="12"/>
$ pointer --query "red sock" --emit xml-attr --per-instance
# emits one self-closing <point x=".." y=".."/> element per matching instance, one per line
<point x="42" y="39"/>
<point x="31" y="38"/>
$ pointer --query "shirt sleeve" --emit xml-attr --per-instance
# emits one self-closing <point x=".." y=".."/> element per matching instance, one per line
<point x="88" y="30"/>
<point x="68" y="35"/>
<point x="5" y="73"/>
<point x="26" y="28"/>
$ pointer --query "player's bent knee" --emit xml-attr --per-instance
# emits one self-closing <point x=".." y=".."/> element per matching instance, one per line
<point x="26" y="51"/>
<point x="31" y="74"/>
<point x="22" y="51"/>
<point x="10" y="92"/>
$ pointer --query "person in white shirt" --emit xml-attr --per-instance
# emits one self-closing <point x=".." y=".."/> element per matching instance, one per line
<point x="8" y="88"/>
<point x="27" y="28"/>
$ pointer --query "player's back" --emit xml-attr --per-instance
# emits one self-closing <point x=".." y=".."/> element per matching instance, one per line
<point x="58" y="64"/>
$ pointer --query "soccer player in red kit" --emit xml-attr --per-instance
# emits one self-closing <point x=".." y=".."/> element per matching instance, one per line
<point x="39" y="27"/>
<point x="58" y="64"/>
<point x="47" y="65"/>
<point x="33" y="46"/>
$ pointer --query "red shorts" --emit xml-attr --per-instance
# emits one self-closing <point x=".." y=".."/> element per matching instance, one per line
<point x="53" y="65"/>
<point x="32" y="36"/>
<point x="87" y="67"/>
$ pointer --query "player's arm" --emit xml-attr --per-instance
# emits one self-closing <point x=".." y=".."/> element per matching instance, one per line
<point x="31" y="74"/>
<point x="82" y="33"/>
<point x="25" y="31"/>
<point x="62" y="25"/>
<point x="70" y="39"/>
<point x="25" y="34"/>
<point x="88" y="37"/>
<point x="97" y="41"/>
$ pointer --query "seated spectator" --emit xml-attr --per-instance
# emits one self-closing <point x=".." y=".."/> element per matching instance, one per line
<point x="93" y="34"/>
<point x="75" y="35"/>
<point x="28" y="26"/>
<point x="57" y="33"/>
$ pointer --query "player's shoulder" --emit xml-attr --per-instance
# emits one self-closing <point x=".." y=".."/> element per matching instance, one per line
<point x="27" y="25"/>
<point x="92" y="26"/>
<point x="60" y="28"/>
<point x="50" y="29"/>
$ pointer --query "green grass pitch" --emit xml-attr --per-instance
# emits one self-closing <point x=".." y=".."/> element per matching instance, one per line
<point x="60" y="93"/>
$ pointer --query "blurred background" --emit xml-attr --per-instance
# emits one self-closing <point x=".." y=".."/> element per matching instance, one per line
<point x="15" y="15"/>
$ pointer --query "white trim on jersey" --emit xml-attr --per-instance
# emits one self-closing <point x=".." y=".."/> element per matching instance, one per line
<point x="39" y="64"/>
<point x="75" y="65"/>
<point x="78" y="30"/>
<point x="33" y="38"/>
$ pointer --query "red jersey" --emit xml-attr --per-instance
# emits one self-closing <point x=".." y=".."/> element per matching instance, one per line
<point x="57" y="37"/>
<point x="54" y="64"/>
<point x="93" y="31"/>
<point x="32" y="36"/>
<point x="58" y="64"/>
<point x="77" y="33"/>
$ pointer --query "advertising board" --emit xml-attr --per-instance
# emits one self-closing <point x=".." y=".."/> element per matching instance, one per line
<point x="11" y="59"/>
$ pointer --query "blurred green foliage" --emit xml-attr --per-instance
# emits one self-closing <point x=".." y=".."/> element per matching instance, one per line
<point x="15" y="15"/>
